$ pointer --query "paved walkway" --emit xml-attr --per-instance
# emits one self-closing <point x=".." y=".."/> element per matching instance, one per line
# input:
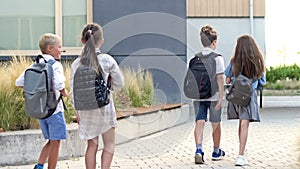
<point x="273" y="143"/>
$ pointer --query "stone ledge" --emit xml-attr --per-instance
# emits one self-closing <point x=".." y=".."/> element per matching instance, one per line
<point x="145" y="110"/>
<point x="23" y="147"/>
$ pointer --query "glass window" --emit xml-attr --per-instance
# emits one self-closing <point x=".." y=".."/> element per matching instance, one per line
<point x="23" y="22"/>
<point x="74" y="18"/>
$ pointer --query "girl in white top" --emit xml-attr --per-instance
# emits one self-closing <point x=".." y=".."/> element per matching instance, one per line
<point x="101" y="121"/>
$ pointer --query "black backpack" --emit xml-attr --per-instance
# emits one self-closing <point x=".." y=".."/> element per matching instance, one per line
<point x="200" y="81"/>
<point x="89" y="88"/>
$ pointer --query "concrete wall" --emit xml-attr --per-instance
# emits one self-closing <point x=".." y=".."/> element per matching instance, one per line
<point x="150" y="35"/>
<point x="23" y="147"/>
<point x="142" y="125"/>
<point x="228" y="29"/>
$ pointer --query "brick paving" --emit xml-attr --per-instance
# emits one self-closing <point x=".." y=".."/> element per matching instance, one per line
<point x="272" y="143"/>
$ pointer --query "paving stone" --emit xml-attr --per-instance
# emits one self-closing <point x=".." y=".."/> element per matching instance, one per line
<point x="272" y="143"/>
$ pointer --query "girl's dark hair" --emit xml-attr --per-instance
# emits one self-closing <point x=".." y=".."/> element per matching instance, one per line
<point x="91" y="35"/>
<point x="207" y="35"/>
<point x="247" y="58"/>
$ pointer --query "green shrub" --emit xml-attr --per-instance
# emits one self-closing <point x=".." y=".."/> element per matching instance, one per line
<point x="12" y="112"/>
<point x="283" y="73"/>
<point x="283" y="77"/>
<point x="138" y="88"/>
<point x="136" y="93"/>
<point x="10" y="103"/>
<point x="147" y="88"/>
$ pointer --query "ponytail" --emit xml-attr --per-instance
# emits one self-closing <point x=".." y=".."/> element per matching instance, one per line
<point x="91" y="35"/>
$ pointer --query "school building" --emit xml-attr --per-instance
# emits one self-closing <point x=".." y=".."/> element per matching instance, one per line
<point x="160" y="36"/>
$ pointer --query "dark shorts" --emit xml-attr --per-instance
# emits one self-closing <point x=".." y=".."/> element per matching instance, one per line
<point x="203" y="107"/>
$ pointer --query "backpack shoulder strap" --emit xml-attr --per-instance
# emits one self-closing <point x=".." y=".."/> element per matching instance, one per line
<point x="37" y="59"/>
<point x="51" y="61"/>
<point x="198" y="54"/>
<point x="109" y="77"/>
<point x="212" y="55"/>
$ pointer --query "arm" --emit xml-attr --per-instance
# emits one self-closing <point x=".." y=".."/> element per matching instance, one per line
<point x="20" y="80"/>
<point x="117" y="79"/>
<point x="74" y="67"/>
<point x="220" y="81"/>
<point x="262" y="80"/>
<point x="59" y="79"/>
<point x="228" y="74"/>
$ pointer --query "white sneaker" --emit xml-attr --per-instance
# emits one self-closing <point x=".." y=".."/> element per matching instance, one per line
<point x="241" y="161"/>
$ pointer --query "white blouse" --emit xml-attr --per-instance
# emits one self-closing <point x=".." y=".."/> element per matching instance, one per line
<point x="95" y="122"/>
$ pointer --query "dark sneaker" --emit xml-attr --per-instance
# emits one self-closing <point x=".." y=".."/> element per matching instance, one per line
<point x="218" y="156"/>
<point x="199" y="157"/>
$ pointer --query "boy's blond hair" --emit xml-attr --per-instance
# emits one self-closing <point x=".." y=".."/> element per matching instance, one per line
<point x="48" y="39"/>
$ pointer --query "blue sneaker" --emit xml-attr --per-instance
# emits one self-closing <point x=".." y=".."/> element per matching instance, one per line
<point x="37" y="167"/>
<point x="199" y="157"/>
<point x="218" y="156"/>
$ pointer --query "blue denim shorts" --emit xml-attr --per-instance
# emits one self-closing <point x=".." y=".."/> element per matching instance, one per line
<point x="54" y="127"/>
<point x="201" y="110"/>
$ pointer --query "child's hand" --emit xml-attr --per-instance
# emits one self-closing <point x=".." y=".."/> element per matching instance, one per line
<point x="218" y="105"/>
<point x="228" y="80"/>
<point x="64" y="92"/>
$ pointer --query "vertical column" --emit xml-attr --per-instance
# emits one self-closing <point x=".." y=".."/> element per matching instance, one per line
<point x="58" y="17"/>
<point x="89" y="11"/>
<point x="251" y="17"/>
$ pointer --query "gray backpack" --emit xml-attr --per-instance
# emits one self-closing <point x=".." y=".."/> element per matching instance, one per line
<point x="40" y="98"/>
<point x="240" y="92"/>
<point x="90" y="90"/>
